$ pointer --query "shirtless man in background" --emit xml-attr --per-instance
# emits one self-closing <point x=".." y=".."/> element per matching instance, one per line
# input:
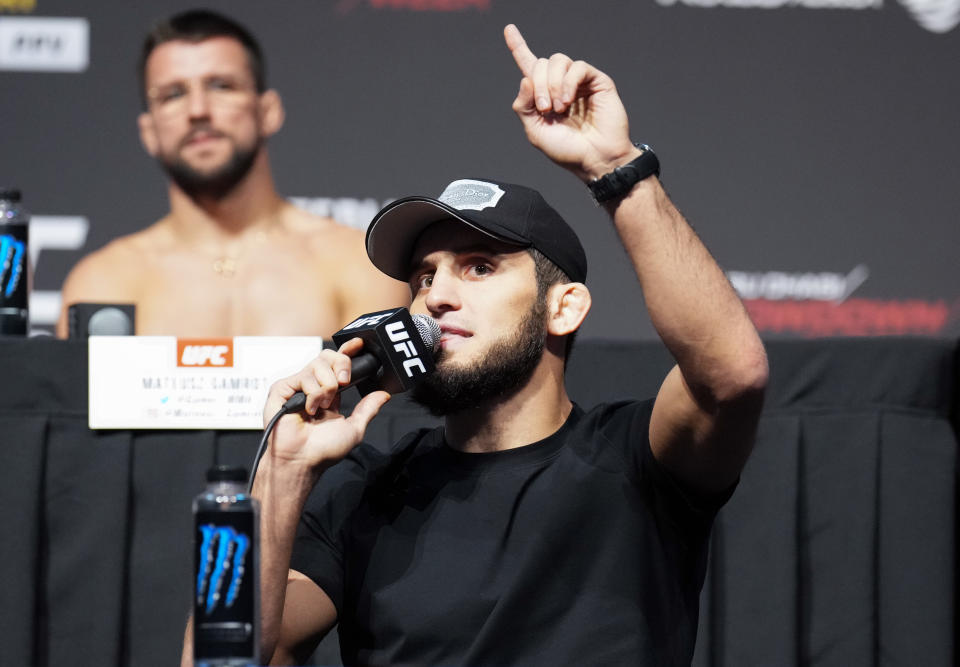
<point x="232" y="257"/>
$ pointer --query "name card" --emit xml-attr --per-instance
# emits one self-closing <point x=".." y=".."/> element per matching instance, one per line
<point x="162" y="382"/>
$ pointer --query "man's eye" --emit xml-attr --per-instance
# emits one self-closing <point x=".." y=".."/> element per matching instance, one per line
<point x="221" y="84"/>
<point x="169" y="94"/>
<point x="424" y="281"/>
<point x="482" y="269"/>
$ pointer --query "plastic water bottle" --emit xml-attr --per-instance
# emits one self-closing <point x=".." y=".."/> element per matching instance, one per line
<point x="14" y="271"/>
<point x="226" y="614"/>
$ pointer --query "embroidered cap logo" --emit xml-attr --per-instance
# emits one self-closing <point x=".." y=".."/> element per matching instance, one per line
<point x="467" y="194"/>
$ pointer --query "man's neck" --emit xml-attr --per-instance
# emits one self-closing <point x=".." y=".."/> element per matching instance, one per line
<point x="252" y="204"/>
<point x="536" y="411"/>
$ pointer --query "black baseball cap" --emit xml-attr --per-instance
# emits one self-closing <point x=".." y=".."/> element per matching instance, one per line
<point x="510" y="213"/>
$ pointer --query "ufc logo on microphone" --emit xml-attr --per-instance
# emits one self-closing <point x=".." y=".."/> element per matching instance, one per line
<point x="366" y="320"/>
<point x="397" y="333"/>
<point x="212" y="353"/>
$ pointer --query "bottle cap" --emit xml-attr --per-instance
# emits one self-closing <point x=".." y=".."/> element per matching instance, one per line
<point x="10" y="194"/>
<point x="225" y="473"/>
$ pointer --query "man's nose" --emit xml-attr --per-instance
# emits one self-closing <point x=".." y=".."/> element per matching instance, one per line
<point x="444" y="293"/>
<point x="198" y="103"/>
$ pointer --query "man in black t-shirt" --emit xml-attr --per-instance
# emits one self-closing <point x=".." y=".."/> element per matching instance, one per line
<point x="525" y="531"/>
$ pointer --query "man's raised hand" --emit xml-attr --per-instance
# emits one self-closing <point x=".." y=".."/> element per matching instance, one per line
<point x="570" y="110"/>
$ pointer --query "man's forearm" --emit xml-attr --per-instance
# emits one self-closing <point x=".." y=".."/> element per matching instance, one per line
<point x="186" y="658"/>
<point x="282" y="489"/>
<point x="691" y="303"/>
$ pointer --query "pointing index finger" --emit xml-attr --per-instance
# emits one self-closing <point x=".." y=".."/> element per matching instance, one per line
<point x="518" y="47"/>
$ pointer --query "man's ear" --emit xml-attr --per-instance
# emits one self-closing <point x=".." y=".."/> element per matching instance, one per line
<point x="272" y="113"/>
<point x="148" y="133"/>
<point x="568" y="304"/>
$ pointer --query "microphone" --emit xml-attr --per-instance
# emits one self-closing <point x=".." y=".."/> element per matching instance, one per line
<point x="110" y="322"/>
<point x="397" y="352"/>
<point x="100" y="319"/>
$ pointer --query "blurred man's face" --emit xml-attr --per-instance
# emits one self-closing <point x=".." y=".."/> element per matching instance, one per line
<point x="204" y="110"/>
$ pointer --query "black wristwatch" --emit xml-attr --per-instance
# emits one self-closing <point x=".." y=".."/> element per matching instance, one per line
<point x="621" y="180"/>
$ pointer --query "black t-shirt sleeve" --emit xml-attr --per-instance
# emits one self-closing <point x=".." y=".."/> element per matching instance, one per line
<point x="322" y="542"/>
<point x="690" y="513"/>
<point x="627" y="426"/>
<point x="319" y="546"/>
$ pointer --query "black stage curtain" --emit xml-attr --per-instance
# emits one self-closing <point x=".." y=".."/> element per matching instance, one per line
<point x="838" y="548"/>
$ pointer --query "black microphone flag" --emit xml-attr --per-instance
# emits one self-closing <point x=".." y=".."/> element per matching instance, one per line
<point x="397" y="349"/>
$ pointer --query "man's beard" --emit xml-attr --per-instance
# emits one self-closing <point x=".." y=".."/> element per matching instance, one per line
<point x="505" y="368"/>
<point x="215" y="184"/>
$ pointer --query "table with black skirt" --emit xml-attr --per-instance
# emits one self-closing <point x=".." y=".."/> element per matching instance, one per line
<point x="838" y="547"/>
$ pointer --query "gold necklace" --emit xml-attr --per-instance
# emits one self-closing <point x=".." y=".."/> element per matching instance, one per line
<point x="226" y="266"/>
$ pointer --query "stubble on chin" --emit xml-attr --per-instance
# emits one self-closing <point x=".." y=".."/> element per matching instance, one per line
<point x="214" y="183"/>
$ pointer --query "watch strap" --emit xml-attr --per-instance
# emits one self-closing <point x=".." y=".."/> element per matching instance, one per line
<point x="621" y="180"/>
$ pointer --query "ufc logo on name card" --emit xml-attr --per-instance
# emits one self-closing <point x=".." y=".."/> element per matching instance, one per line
<point x="397" y="334"/>
<point x="205" y="352"/>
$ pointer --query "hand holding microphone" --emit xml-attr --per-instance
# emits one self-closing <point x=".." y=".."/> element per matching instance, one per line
<point x="393" y="353"/>
<point x="397" y="352"/>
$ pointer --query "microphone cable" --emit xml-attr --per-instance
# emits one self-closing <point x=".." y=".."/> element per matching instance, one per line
<point x="295" y="403"/>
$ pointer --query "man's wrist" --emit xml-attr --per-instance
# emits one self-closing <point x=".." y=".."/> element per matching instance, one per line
<point x="603" y="167"/>
<point x="620" y="180"/>
<point x="291" y="475"/>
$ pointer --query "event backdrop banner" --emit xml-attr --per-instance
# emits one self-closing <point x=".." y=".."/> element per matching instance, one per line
<point x="811" y="143"/>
